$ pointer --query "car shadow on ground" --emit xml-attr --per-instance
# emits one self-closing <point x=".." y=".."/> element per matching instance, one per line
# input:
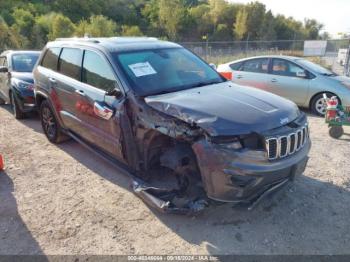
<point x="310" y="217"/>
<point x="15" y="238"/>
<point x="32" y="120"/>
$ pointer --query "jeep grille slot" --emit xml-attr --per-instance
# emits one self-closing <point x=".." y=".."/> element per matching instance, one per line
<point x="283" y="146"/>
<point x="272" y="145"/>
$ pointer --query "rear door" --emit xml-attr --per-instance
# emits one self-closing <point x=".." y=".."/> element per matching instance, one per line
<point x="284" y="81"/>
<point x="67" y="85"/>
<point x="252" y="72"/>
<point x="98" y="113"/>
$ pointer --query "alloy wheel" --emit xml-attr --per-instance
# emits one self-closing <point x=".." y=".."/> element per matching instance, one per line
<point x="49" y="123"/>
<point x="320" y="106"/>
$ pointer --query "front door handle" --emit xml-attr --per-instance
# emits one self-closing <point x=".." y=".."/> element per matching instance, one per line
<point x="52" y="80"/>
<point x="239" y="76"/>
<point x="103" y="111"/>
<point x="273" y="80"/>
<point x="80" y="92"/>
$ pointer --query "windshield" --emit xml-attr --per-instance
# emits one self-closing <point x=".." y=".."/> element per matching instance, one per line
<point x="162" y="71"/>
<point x="24" y="62"/>
<point x="315" y="67"/>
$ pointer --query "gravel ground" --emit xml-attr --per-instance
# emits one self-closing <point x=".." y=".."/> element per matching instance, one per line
<point x="65" y="200"/>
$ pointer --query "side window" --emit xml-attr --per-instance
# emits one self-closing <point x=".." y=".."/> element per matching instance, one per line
<point x="236" y="66"/>
<point x="70" y="62"/>
<point x="260" y="65"/>
<point x="285" y="68"/>
<point x="50" y="59"/>
<point x="97" y="72"/>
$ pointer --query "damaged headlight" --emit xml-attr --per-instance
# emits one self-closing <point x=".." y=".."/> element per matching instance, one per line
<point x="251" y="141"/>
<point x="228" y="142"/>
<point x="236" y="145"/>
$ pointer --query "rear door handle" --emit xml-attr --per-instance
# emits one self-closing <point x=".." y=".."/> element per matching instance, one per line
<point x="273" y="80"/>
<point x="80" y="92"/>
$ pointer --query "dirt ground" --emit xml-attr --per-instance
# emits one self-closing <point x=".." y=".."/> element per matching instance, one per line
<point x="65" y="200"/>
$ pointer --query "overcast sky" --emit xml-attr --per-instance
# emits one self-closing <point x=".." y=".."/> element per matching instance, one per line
<point x="334" y="14"/>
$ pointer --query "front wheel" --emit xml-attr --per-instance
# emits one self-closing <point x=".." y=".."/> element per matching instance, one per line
<point x="17" y="112"/>
<point x="318" y="104"/>
<point x="50" y="125"/>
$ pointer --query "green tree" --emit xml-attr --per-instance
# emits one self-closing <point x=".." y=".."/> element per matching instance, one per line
<point x="267" y="30"/>
<point x="62" y="26"/>
<point x="9" y="38"/>
<point x="133" y="30"/>
<point x="172" y="17"/>
<point x="97" y="26"/>
<point x="312" y="28"/>
<point x="240" y="26"/>
<point x="24" y="21"/>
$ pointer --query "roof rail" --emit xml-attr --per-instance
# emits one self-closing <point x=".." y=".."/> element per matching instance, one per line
<point x="86" y="39"/>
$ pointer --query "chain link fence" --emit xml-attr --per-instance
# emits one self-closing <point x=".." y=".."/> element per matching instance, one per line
<point x="335" y="57"/>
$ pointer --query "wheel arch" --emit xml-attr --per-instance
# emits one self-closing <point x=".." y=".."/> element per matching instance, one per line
<point x="320" y="93"/>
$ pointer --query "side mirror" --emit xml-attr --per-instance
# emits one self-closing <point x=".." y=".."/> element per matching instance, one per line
<point x="212" y="66"/>
<point x="3" y="69"/>
<point x="301" y="74"/>
<point x="115" y="92"/>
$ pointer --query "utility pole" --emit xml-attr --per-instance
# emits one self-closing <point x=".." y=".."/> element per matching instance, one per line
<point x="247" y="43"/>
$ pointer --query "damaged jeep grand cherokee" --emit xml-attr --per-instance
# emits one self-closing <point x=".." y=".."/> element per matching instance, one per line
<point x="153" y="105"/>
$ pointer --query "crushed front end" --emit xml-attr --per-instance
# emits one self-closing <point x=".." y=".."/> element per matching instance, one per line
<point x="242" y="169"/>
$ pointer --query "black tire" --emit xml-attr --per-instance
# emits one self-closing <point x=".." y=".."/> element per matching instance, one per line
<point x="17" y="112"/>
<point x="336" y="131"/>
<point x="318" y="102"/>
<point x="50" y="125"/>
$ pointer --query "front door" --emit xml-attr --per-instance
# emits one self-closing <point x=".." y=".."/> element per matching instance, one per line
<point x="286" y="80"/>
<point x="98" y="113"/>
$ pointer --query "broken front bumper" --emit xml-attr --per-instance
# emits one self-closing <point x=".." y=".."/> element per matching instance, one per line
<point x="244" y="176"/>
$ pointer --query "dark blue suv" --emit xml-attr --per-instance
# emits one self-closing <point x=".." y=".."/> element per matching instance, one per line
<point x="16" y="80"/>
<point x="148" y="104"/>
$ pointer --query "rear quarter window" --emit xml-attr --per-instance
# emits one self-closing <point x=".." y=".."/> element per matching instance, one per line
<point x="236" y="66"/>
<point x="50" y="59"/>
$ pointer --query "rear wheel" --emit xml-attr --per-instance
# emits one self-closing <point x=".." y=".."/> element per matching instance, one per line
<point x="318" y="104"/>
<point x="50" y="125"/>
<point x="17" y="112"/>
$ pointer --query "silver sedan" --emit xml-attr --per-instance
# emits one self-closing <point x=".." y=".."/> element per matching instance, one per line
<point x="294" y="78"/>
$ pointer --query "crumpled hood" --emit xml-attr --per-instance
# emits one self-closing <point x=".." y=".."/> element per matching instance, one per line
<point x="226" y="109"/>
<point x="24" y="76"/>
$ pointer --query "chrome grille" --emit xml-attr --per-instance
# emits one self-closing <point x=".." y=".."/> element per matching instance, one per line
<point x="283" y="146"/>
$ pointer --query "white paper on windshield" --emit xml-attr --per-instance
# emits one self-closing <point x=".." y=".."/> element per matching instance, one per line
<point x="142" y="69"/>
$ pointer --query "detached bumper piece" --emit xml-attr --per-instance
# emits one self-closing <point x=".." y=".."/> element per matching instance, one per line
<point x="163" y="199"/>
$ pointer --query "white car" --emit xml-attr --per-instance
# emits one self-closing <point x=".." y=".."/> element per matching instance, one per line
<point x="293" y="78"/>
